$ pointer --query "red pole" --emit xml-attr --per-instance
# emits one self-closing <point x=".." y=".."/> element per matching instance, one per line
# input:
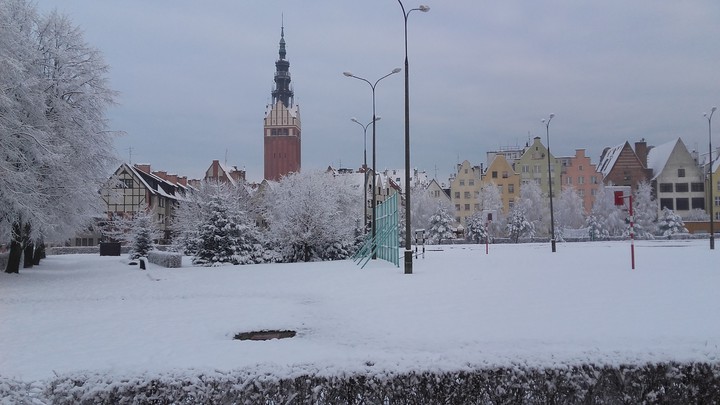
<point x="632" y="236"/>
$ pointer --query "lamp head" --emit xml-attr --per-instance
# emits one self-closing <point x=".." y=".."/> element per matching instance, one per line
<point x="424" y="8"/>
<point x="552" y="115"/>
<point x="542" y="120"/>
<point x="378" y="118"/>
<point x="353" y="119"/>
<point x="348" y="74"/>
<point x="713" y="109"/>
<point x="396" y="70"/>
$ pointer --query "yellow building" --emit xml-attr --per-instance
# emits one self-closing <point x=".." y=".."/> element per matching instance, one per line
<point x="501" y="173"/>
<point x="465" y="190"/>
<point x="533" y="165"/>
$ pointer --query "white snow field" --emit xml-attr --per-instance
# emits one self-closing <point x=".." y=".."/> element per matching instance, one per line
<point x="521" y="304"/>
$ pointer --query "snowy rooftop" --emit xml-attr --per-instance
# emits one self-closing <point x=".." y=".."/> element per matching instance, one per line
<point x="519" y="304"/>
<point x="609" y="159"/>
<point x="659" y="156"/>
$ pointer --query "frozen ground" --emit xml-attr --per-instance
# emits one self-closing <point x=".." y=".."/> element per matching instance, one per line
<point x="461" y="308"/>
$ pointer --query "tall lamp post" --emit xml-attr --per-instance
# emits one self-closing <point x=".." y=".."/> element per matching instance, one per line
<point x="552" y="217"/>
<point x="365" y="127"/>
<point x="710" y="167"/>
<point x="408" y="250"/>
<point x="374" y="119"/>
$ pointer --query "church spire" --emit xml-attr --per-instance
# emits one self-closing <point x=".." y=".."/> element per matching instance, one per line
<point x="282" y="91"/>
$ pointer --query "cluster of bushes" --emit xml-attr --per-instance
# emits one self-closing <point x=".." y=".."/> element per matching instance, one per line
<point x="663" y="383"/>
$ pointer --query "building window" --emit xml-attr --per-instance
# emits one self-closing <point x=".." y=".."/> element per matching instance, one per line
<point x="580" y="168"/>
<point x="681" y="172"/>
<point x="462" y="182"/>
<point x="697" y="187"/>
<point x="477" y="207"/>
<point x="581" y="180"/>
<point x="581" y="193"/>
<point x="682" y="204"/>
<point x="698" y="202"/>
<point x="526" y="169"/>
<point x="467" y="194"/>
<point x="500" y="188"/>
<point x="457" y="208"/>
<point x="477" y="194"/>
<point x="511" y="188"/>
<point x="505" y="175"/>
<point x="511" y="204"/>
<point x="569" y="180"/>
<point x="681" y="187"/>
<point x="467" y="207"/>
<point x="666" y="187"/>
<point x="494" y="175"/>
<point x="466" y="171"/>
<point x="593" y="180"/>
<point x="717" y="201"/>
<point x="667" y="203"/>
<point x="78" y="242"/>
<point x="471" y="182"/>
<point x="457" y="195"/>
<point x="128" y="183"/>
<point x="593" y="192"/>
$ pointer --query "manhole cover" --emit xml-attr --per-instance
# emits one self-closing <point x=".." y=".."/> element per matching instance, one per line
<point x="265" y="335"/>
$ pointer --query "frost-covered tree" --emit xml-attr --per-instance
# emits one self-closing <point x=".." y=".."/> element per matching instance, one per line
<point x="423" y="207"/>
<point x="309" y="213"/>
<point x="596" y="230"/>
<point x="698" y="214"/>
<point x="54" y="148"/>
<point x="610" y="218"/>
<point x="476" y="228"/>
<point x="569" y="212"/>
<point x="490" y="200"/>
<point x="535" y="208"/>
<point x="143" y="233"/>
<point x="518" y="224"/>
<point x="440" y="225"/>
<point x="644" y="212"/>
<point x="670" y="223"/>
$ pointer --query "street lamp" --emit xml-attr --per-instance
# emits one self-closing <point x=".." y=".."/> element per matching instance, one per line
<point x="374" y="119"/>
<point x="710" y="166"/>
<point x="408" y="250"/>
<point x="552" y="218"/>
<point x="364" y="127"/>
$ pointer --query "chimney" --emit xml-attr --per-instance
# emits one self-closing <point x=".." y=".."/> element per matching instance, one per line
<point x="182" y="180"/>
<point x="641" y="150"/>
<point x="172" y="178"/>
<point x="161" y="174"/>
<point x="143" y="168"/>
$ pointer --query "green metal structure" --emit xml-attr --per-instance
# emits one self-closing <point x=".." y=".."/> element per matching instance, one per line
<point x="386" y="242"/>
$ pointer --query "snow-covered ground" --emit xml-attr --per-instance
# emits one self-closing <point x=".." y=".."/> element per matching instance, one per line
<point x="461" y="308"/>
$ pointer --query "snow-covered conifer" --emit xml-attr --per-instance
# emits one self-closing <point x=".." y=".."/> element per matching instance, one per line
<point x="518" y="224"/>
<point x="476" y="228"/>
<point x="670" y="223"/>
<point x="644" y="212"/>
<point x="143" y="233"/>
<point x="440" y="225"/>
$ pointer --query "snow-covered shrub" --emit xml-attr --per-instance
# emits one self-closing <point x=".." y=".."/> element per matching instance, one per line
<point x="595" y="228"/>
<point x="518" y="224"/>
<point x="644" y="212"/>
<point x="165" y="259"/>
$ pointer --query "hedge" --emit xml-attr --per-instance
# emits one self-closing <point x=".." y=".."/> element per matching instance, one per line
<point x="664" y="383"/>
<point x="165" y="259"/>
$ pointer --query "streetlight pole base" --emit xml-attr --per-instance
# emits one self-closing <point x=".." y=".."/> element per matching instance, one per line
<point x="408" y="261"/>
<point x="552" y="245"/>
<point x="712" y="242"/>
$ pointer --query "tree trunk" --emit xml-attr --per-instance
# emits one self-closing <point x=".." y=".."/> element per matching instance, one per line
<point x="28" y="255"/>
<point x="13" y="264"/>
<point x="39" y="253"/>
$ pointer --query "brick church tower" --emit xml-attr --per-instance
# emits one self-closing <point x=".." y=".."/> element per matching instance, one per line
<point x="282" y="123"/>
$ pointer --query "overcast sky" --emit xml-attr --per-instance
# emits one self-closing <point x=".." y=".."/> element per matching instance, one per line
<point x="195" y="77"/>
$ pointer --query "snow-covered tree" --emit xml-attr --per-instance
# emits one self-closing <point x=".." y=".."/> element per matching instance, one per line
<point x="535" y="208"/>
<point x="644" y="211"/>
<point x="670" y="223"/>
<point x="143" y="233"/>
<point x="55" y="148"/>
<point x="476" y="228"/>
<point x="596" y="230"/>
<point x="309" y="213"/>
<point x="698" y="214"/>
<point x="490" y="200"/>
<point x="610" y="218"/>
<point x="518" y="224"/>
<point x="440" y="225"/>
<point x="569" y="212"/>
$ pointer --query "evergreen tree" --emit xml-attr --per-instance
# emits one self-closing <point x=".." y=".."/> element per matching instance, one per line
<point x="143" y="233"/>
<point x="670" y="223"/>
<point x="476" y="229"/>
<point x="518" y="224"/>
<point x="218" y="234"/>
<point x="440" y="225"/>
<point x="596" y="228"/>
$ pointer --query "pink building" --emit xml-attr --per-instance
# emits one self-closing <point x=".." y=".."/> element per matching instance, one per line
<point x="583" y="176"/>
